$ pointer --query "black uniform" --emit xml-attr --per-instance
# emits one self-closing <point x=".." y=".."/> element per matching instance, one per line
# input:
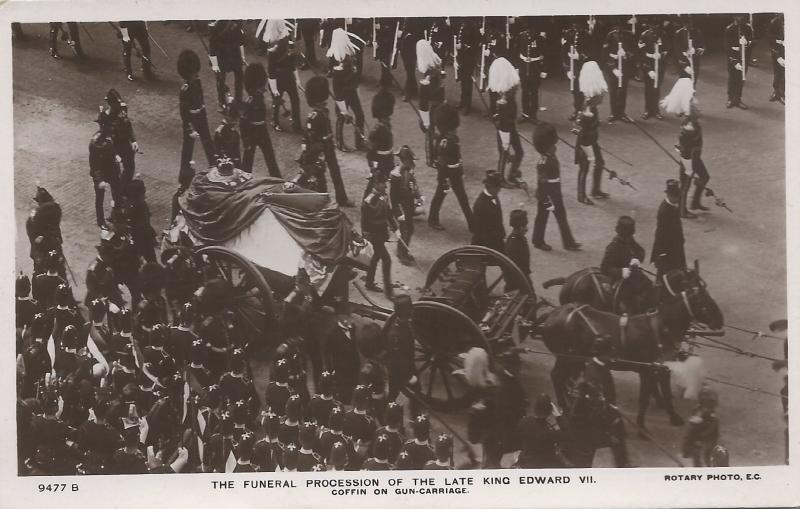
<point x="530" y="54"/>
<point x="308" y="28"/>
<point x="403" y="193"/>
<point x="668" y="253"/>
<point x="419" y="454"/>
<point x="387" y="48"/>
<point x="588" y="124"/>
<point x="449" y="175"/>
<point x="487" y="222"/>
<point x="380" y="153"/>
<point x="778" y="54"/>
<point x="413" y="30"/>
<point x="734" y="33"/>
<point x="225" y="40"/>
<point x="573" y="52"/>
<point x="194" y="122"/>
<point x="690" y="144"/>
<point x="516" y="248"/>
<point x="466" y="52"/>
<point x="618" y="85"/>
<point x="654" y="52"/>
<point x="401" y="368"/>
<point x="281" y="69"/>
<point x="548" y="196"/>
<point x="376" y="218"/>
<point x="318" y="132"/>
<point x="72" y="36"/>
<point x="688" y="47"/>
<point x="253" y="126"/>
<point x="345" y="89"/>
<point x="431" y="95"/>
<point x="505" y="118"/>
<point x="103" y="167"/>
<point x="618" y="255"/>
<point x="136" y="33"/>
<point x="123" y="138"/>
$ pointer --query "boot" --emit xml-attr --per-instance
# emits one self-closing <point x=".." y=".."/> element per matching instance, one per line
<point x="698" y="194"/>
<point x="276" y="110"/>
<point x="582" y="198"/>
<point x="361" y="142"/>
<point x="340" y="134"/>
<point x="682" y="205"/>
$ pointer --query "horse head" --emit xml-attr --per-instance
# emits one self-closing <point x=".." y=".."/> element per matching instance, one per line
<point x="702" y="307"/>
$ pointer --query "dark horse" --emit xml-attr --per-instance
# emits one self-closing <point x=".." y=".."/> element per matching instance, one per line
<point x="645" y="338"/>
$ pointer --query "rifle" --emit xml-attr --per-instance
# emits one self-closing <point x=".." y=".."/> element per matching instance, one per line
<point x="619" y="63"/>
<point x="656" y="57"/>
<point x="394" y="46"/>
<point x="690" y="51"/>
<point x="572" y="53"/>
<point x="632" y="23"/>
<point x="455" y="55"/>
<point x="374" y="38"/>
<point x="508" y="32"/>
<point x="743" y="53"/>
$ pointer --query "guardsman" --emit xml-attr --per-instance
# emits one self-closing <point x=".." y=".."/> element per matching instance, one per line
<point x="104" y="170"/>
<point x="376" y="220"/>
<point x="690" y="147"/>
<point x="738" y="42"/>
<point x="181" y="334"/>
<point x="344" y="73"/>
<point x="503" y="83"/>
<point x="380" y="454"/>
<point x="132" y="32"/>
<point x="244" y="453"/>
<point x="411" y="31"/>
<point x="668" y="253"/>
<point x="431" y="92"/>
<point x="227" y="140"/>
<point x="307" y="456"/>
<point x="466" y="49"/>
<point x="226" y="52"/>
<point x="703" y="434"/>
<point x="587" y="150"/>
<point x="321" y="404"/>
<point x="548" y="191"/>
<point x="332" y="434"/>
<point x="394" y="431"/>
<point x="404" y="195"/>
<point x="234" y="384"/>
<point x="339" y="458"/>
<point x="494" y="45"/>
<point x="122" y="134"/>
<point x="43" y="227"/>
<point x="449" y="167"/>
<point x="516" y="244"/>
<point x="543" y="438"/>
<point x="253" y="121"/>
<point x="307" y="29"/>
<point x="380" y="142"/>
<point x="387" y="40"/>
<point x="98" y="439"/>
<point x="45" y="283"/>
<point x="277" y="393"/>
<point x="400" y="340"/>
<point x="282" y="67"/>
<point x="142" y="232"/>
<point x="487" y="215"/>
<point x="439" y="34"/>
<point x="778" y="53"/>
<point x="419" y="448"/>
<point x="689" y="46"/>
<point x="25" y="308"/>
<point x="193" y="116"/>
<point x="530" y="52"/>
<point x="318" y="132"/>
<point x="574" y="40"/>
<point x="71" y="35"/>
<point x="618" y="54"/>
<point x="654" y="52"/>
<point x="443" y="449"/>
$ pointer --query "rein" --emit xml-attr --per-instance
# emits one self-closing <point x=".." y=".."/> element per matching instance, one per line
<point x="665" y="279"/>
<point x="688" y="305"/>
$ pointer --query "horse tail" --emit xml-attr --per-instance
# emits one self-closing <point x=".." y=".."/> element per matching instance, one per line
<point x="558" y="281"/>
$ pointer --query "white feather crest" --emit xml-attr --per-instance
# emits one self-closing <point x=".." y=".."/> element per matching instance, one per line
<point x="680" y="98"/>
<point x="341" y="46"/>
<point x="591" y="81"/>
<point x="427" y="59"/>
<point x="277" y="29"/>
<point x="502" y="76"/>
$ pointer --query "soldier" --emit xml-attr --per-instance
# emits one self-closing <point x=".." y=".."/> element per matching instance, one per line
<point x="503" y="82"/>
<point x="689" y="46"/>
<point x="193" y="116"/>
<point x="181" y="334"/>
<point x="289" y="432"/>
<point x="358" y="424"/>
<point x="43" y="227"/>
<point x="306" y="456"/>
<point x="404" y="194"/>
<point x="344" y="74"/>
<point x="129" y="459"/>
<point x="587" y="149"/>
<point x="668" y="253"/>
<point x="104" y="170"/>
<point x="142" y="232"/>
<point x="411" y="31"/>
<point x="226" y="52"/>
<point x="380" y="155"/>
<point x="380" y="457"/>
<point x="197" y="358"/>
<point x="574" y="41"/>
<point x="244" y="453"/>
<point x="738" y="41"/>
<point x="543" y="438"/>
<point x="376" y="220"/>
<point x="449" y="167"/>
<point x="418" y="448"/>
<point x="443" y="449"/>
<point x="277" y="393"/>
<point x="263" y="455"/>
<point x="778" y="53"/>
<point x="400" y="340"/>
<point x="321" y="404"/>
<point x="690" y="146"/>
<point x="25" y="308"/>
<point x="226" y="137"/>
<point x="73" y="39"/>
<point x="332" y="434"/>
<point x="548" y="191"/>
<point x="339" y="459"/>
<point x="431" y="92"/>
<point x="487" y="215"/>
<point x="516" y="244"/>
<point x="387" y="35"/>
<point x="618" y="51"/>
<point x="622" y="258"/>
<point x="465" y="51"/>
<point x="45" y="283"/>
<point x="98" y="439"/>
<point x="318" y="132"/>
<point x="234" y="385"/>
<point x="394" y="431"/>
<point x="122" y="135"/>
<point x="703" y="434"/>
<point x="132" y="32"/>
<point x="439" y="34"/>
<point x="307" y="28"/>
<point x="654" y="55"/>
<point x="530" y="52"/>
<point x="282" y="67"/>
<point x="495" y="45"/>
<point x="253" y="121"/>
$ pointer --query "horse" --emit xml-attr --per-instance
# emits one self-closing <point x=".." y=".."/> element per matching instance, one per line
<point x="570" y="330"/>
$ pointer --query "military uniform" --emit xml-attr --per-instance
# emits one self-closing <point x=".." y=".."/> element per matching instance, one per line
<point x="618" y="85"/>
<point x="380" y="154"/>
<point x="516" y="248"/>
<point x="449" y="175"/>
<point x="574" y="42"/>
<point x="668" y="252"/>
<point x="530" y="53"/>
<point x="618" y="255"/>
<point x="225" y="40"/>
<point x="123" y="138"/>
<point x="195" y="123"/>
<point x="487" y="220"/>
<point x="387" y="47"/>
<point x="467" y="47"/>
<point x="318" y="132"/>
<point x="344" y="78"/>
<point x="282" y="74"/>
<point x="253" y="126"/>
<point x="419" y="453"/>
<point x="44" y="289"/>
<point x="431" y="95"/>
<point x="654" y="53"/>
<point x="778" y="54"/>
<point x="403" y="193"/>
<point x="413" y="29"/>
<point x="587" y="151"/>
<point x="548" y="196"/>
<point x="376" y="219"/>
<point x="688" y="47"/>
<point x="505" y="118"/>
<point x="103" y="167"/>
<point x="702" y="436"/>
<point x="690" y="145"/>
<point x="135" y="32"/>
<point x="737" y="36"/>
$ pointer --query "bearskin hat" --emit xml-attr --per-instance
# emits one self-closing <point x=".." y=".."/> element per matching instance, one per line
<point x="338" y="456"/>
<point x="383" y="104"/>
<point x="255" y="77"/>
<point x="381" y="451"/>
<point x="186" y="315"/>
<point x="445" y="118"/>
<point x="518" y="218"/>
<point x="394" y="414"/>
<point x="124" y="320"/>
<point x="98" y="309"/>
<point x="151" y="277"/>
<point x="336" y="419"/>
<point x="317" y="90"/>
<point x="48" y="213"/>
<point x="42" y="195"/>
<point x="69" y="337"/>
<point x="188" y="64"/>
<point x="381" y="138"/>
<point x="421" y="427"/>
<point x="544" y="137"/>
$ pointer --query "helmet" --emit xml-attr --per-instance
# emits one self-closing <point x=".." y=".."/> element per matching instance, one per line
<point x="336" y="419"/>
<point x="383" y="104"/>
<point x="188" y="64"/>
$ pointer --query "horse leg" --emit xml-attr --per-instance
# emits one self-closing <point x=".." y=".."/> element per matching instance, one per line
<point x="645" y="391"/>
<point x="559" y="375"/>
<point x="664" y="387"/>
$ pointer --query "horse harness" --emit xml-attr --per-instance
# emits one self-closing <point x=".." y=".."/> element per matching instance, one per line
<point x="593" y="275"/>
<point x="654" y="319"/>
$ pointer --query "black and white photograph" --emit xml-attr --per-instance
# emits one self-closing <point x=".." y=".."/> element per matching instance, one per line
<point x="520" y="242"/>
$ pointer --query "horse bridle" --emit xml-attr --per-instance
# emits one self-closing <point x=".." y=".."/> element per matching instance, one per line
<point x="688" y="305"/>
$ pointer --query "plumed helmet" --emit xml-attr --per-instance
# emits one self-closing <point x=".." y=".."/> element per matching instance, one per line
<point x="188" y="64"/>
<point x="368" y="339"/>
<point x="502" y="76"/>
<point x="427" y="58"/>
<point x="22" y="287"/>
<point x="317" y="90"/>
<point x="380" y="138"/>
<point x="446" y="118"/>
<point x="383" y="104"/>
<point x="544" y="137"/>
<point x="255" y="77"/>
<point x="626" y="226"/>
<point x="518" y="218"/>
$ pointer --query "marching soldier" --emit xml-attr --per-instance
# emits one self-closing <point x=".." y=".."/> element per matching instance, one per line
<point x="587" y="149"/>
<point x="411" y="31"/>
<point x="404" y="194"/>
<point x="487" y="215"/>
<point x="690" y="146"/>
<point x="654" y="62"/>
<point x="43" y="228"/>
<point x="280" y="47"/>
<point x="543" y="438"/>
<point x="380" y="155"/>
<point x="418" y="448"/>
<point x="226" y="52"/>
<point x="133" y="32"/>
<point x="307" y="458"/>
<point x="376" y="220"/>
<point x="618" y="51"/>
<point x="393" y="431"/>
<point x="530" y="52"/>
<point x="738" y="41"/>
<point x="71" y="35"/>
<point x="668" y="253"/>
<point x="503" y="82"/>
<point x="516" y="245"/>
<point x="387" y="40"/>
<point x="466" y="48"/>
<point x="494" y="45"/>
<point x="689" y="46"/>
<point x="380" y="455"/>
<point x="193" y="116"/>
<point x="778" y="53"/>
<point x="122" y="135"/>
<point x="321" y="404"/>
<point x="253" y="120"/>
<point x="104" y="170"/>
<point x="548" y="191"/>
<point x="449" y="167"/>
<point x="431" y="92"/>
<point x="318" y="132"/>
<point x="344" y="74"/>
<point x="443" y="449"/>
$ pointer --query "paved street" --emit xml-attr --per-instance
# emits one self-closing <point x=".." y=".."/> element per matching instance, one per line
<point x="742" y="255"/>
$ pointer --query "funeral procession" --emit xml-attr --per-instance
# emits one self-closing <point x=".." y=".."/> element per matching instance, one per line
<point x="301" y="245"/>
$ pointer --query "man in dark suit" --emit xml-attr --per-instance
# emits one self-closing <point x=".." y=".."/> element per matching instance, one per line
<point x="668" y="253"/>
<point x="487" y="215"/>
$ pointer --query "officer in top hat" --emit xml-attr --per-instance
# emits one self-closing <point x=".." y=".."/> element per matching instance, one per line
<point x="487" y="214"/>
<point x="668" y="252"/>
<point x="516" y="244"/>
<point x="623" y="255"/>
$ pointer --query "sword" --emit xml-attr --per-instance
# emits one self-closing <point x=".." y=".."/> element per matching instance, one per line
<point x="742" y="43"/>
<point x="483" y="66"/>
<point x="157" y="44"/>
<point x="394" y="47"/>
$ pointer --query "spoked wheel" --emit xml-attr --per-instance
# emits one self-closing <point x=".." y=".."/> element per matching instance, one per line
<point x="442" y="334"/>
<point x="240" y="289"/>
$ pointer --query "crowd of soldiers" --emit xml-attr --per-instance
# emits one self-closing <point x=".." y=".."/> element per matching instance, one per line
<point x="153" y="380"/>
